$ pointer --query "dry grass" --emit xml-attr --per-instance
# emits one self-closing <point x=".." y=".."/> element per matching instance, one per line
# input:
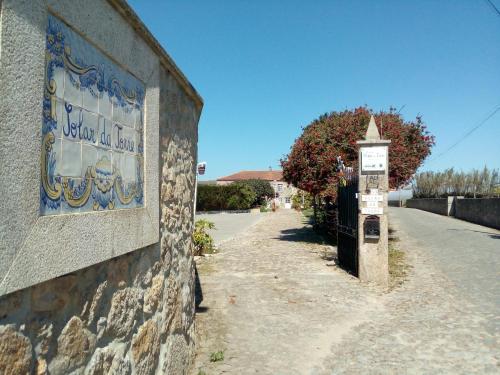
<point x="398" y="267"/>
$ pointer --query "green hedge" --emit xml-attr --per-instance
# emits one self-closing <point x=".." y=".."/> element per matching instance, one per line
<point x="224" y="197"/>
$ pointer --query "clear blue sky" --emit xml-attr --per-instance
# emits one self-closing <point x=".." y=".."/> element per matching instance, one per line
<point x="266" y="68"/>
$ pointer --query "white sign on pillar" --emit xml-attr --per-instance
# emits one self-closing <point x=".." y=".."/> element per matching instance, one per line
<point x="374" y="159"/>
<point x="372" y="221"/>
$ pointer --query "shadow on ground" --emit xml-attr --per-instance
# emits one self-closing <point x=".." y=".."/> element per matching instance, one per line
<point x="495" y="236"/>
<point x="308" y="235"/>
<point x="304" y="234"/>
<point x="198" y="293"/>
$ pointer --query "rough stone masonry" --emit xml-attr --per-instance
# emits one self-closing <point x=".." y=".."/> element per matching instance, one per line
<point x="132" y="310"/>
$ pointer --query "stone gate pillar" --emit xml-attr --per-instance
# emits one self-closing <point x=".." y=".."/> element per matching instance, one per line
<point x="372" y="200"/>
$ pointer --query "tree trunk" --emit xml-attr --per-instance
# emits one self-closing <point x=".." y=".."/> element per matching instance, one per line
<point x="315" y="210"/>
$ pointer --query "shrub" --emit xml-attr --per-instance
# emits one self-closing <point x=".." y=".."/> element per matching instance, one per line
<point x="262" y="188"/>
<point x="203" y="242"/>
<point x="235" y="196"/>
<point x="302" y="200"/>
<point x="476" y="183"/>
<point x="242" y="196"/>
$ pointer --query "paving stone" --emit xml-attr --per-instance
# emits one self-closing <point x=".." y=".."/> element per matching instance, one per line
<point x="274" y="306"/>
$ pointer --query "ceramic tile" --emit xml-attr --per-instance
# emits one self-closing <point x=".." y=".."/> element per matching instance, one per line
<point x="123" y="114"/>
<point x="140" y="193"/>
<point x="105" y="139"/>
<point x="129" y="167"/>
<point x="124" y="138"/>
<point x="103" y="182"/>
<point x="139" y="202"/>
<point x="103" y="194"/>
<point x="71" y="160"/>
<point x="58" y="77"/>
<point x="117" y="111"/>
<point x="89" y="205"/>
<point x="140" y="169"/>
<point x="55" y="158"/>
<point x="89" y="131"/>
<point x="91" y="99"/>
<point x="117" y="161"/>
<point x="75" y="186"/>
<point x="89" y="158"/>
<point x="83" y="124"/>
<point x="128" y="193"/>
<point x="72" y="121"/>
<point x="79" y="124"/>
<point x="104" y="155"/>
<point x="50" y="208"/>
<point x="137" y="115"/>
<point x="105" y="107"/>
<point x="60" y="118"/>
<point x="139" y="142"/>
<point x="72" y="92"/>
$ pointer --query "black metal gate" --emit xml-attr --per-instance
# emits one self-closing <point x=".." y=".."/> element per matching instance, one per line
<point x="347" y="224"/>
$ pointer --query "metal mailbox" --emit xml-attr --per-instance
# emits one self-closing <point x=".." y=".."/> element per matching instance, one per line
<point x="372" y="228"/>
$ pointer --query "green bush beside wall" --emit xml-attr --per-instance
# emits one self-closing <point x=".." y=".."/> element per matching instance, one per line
<point x="235" y="196"/>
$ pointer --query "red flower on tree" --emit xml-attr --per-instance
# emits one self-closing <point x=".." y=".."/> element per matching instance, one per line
<point x="311" y="163"/>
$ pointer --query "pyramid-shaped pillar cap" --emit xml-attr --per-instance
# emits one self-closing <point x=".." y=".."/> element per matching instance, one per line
<point x="372" y="133"/>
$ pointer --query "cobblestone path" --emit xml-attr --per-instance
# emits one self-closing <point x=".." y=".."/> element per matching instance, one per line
<point x="275" y="303"/>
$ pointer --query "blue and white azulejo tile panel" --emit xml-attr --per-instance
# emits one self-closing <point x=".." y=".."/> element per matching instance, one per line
<point x="92" y="130"/>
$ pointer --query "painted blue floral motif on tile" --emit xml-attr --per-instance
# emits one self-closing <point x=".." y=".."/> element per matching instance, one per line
<point x="92" y="131"/>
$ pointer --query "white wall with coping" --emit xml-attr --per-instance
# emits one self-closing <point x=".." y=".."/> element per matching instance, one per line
<point x="482" y="211"/>
<point x="34" y="248"/>
<point x="440" y="206"/>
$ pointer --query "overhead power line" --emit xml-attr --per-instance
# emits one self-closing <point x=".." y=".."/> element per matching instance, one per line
<point x="481" y="123"/>
<point x="493" y="6"/>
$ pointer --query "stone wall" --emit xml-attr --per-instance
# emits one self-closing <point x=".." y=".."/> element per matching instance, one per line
<point x="132" y="314"/>
<point x="483" y="211"/>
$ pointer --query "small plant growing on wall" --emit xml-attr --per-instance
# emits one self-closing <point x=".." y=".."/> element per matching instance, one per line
<point x="203" y="242"/>
<point x="217" y="356"/>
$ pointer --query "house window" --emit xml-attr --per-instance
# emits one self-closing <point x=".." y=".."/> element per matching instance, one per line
<point x="287" y="200"/>
<point x="280" y="187"/>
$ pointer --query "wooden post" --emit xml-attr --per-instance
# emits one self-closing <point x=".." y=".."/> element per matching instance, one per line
<point x="373" y="260"/>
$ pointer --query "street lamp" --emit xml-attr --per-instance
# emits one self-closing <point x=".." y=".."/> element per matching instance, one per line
<point x="200" y="170"/>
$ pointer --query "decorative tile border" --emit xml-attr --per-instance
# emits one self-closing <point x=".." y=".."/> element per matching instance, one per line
<point x="92" y="131"/>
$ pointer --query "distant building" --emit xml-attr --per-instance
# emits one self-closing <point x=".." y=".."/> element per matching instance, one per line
<point x="207" y="182"/>
<point x="283" y="191"/>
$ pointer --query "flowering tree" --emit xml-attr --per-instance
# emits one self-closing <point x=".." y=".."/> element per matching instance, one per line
<point x="311" y="163"/>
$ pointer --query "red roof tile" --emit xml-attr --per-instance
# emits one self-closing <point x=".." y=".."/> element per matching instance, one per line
<point x="259" y="175"/>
